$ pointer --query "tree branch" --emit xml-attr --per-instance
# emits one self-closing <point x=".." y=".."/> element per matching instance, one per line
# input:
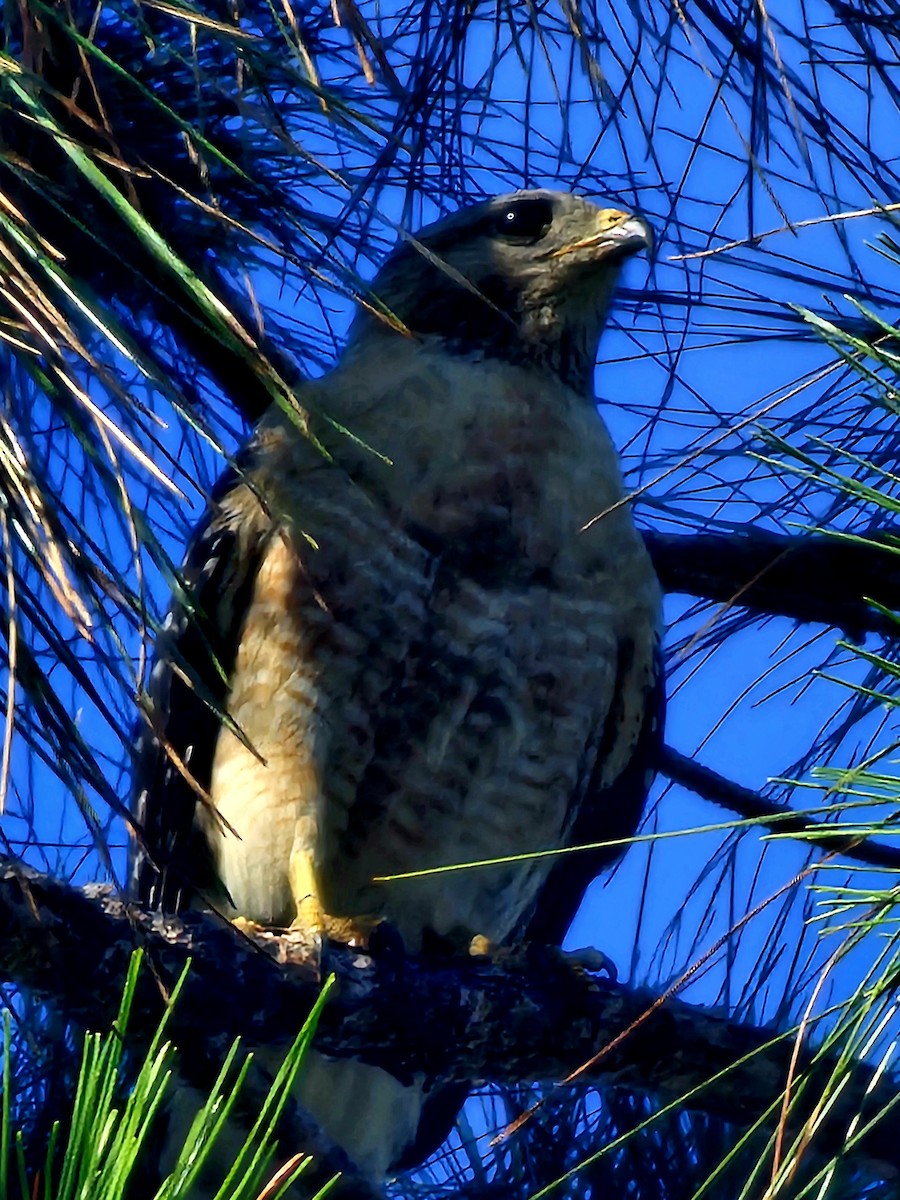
<point x="530" y="1016"/>
<point x="718" y="789"/>
<point x="815" y="578"/>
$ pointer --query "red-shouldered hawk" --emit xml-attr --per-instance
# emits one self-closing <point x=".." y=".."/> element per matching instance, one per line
<point x="426" y="653"/>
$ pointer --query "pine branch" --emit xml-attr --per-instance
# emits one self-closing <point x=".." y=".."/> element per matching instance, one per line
<point x="821" y="579"/>
<point x="531" y="1016"/>
<point x="718" y="789"/>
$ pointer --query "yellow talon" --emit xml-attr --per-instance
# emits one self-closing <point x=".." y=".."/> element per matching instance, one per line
<point x="245" y="925"/>
<point x="481" y="946"/>
<point x="352" y="931"/>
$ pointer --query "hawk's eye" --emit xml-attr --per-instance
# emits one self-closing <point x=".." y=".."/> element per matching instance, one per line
<point x="525" y="220"/>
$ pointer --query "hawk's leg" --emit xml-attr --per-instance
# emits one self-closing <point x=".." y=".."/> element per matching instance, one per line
<point x="363" y="932"/>
<point x="310" y="918"/>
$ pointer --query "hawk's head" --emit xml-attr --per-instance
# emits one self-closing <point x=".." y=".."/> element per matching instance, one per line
<point x="528" y="276"/>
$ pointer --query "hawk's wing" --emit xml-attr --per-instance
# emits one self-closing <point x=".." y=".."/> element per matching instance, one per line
<point x="195" y="652"/>
<point x="607" y="813"/>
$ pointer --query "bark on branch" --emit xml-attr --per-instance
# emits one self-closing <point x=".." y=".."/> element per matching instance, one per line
<point x="816" y="578"/>
<point x="531" y="1016"/>
<point x="779" y="818"/>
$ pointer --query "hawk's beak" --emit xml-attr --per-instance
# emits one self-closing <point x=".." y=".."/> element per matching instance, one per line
<point x="618" y="235"/>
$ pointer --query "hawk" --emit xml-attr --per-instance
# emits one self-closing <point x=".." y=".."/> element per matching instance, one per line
<point x="431" y="624"/>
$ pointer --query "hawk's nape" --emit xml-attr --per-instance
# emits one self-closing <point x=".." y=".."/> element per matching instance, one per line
<point x="424" y="656"/>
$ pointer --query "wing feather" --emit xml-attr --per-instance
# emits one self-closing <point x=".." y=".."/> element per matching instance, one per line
<point x="608" y="811"/>
<point x="188" y="690"/>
